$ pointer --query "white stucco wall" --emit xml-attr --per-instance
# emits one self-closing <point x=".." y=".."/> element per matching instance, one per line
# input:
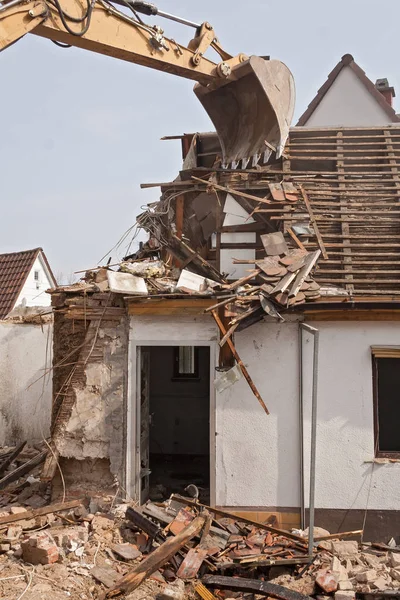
<point x="25" y="397"/>
<point x="345" y="443"/>
<point x="34" y="292"/>
<point x="348" y="102"/>
<point x="258" y="456"/>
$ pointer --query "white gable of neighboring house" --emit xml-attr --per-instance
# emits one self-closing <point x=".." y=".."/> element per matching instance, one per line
<point x="348" y="103"/>
<point x="38" y="281"/>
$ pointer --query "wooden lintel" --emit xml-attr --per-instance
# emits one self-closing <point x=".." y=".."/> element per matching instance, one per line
<point x="164" y="306"/>
<point x="359" y="314"/>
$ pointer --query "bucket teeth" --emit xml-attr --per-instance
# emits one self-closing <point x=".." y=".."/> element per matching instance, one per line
<point x="251" y="108"/>
<point x="255" y="159"/>
<point x="267" y="155"/>
<point x="235" y="164"/>
<point x="245" y="162"/>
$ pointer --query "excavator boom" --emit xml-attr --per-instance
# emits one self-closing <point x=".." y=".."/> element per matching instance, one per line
<point x="249" y="100"/>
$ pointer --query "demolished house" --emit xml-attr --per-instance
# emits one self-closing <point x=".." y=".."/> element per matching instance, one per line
<point x="250" y="347"/>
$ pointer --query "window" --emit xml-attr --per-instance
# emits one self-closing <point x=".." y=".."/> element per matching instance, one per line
<point x="36" y="275"/>
<point x="186" y="362"/>
<point x="386" y="377"/>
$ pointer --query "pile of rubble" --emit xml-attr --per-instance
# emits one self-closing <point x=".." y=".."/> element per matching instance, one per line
<point x="178" y="550"/>
<point x="20" y="483"/>
<point x="281" y="279"/>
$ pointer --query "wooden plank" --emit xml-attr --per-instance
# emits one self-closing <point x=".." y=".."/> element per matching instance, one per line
<point x="371" y="281"/>
<point x="39" y="512"/>
<point x="356" y="314"/>
<point x="11" y="457"/>
<point x="239" y="362"/>
<point x="232" y="515"/>
<point x="242" y="280"/>
<point x="155" y="560"/>
<point x="179" y="214"/>
<point x="294" y="237"/>
<point x="256" y="586"/>
<point x="23" y="469"/>
<point x="203" y="592"/>
<point x="359" y="271"/>
<point x="170" y="306"/>
<point x="313" y="222"/>
<point x="339" y="535"/>
<point x="231" y="191"/>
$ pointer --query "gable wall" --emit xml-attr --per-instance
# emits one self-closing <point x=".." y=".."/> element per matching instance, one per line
<point x="348" y="103"/>
<point x="34" y="292"/>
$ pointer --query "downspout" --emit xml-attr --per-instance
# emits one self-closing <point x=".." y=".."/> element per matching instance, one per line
<point x="314" y="405"/>
<point x="301" y="430"/>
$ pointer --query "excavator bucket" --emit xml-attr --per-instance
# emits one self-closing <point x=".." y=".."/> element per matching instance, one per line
<point x="253" y="110"/>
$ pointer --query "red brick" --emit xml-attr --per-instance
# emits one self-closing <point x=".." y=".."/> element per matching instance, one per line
<point x="39" y="549"/>
<point x="327" y="580"/>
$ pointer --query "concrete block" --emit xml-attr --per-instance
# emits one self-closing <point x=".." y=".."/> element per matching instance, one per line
<point x="4" y="548"/>
<point x="39" y="549"/>
<point x="174" y="591"/>
<point x="345" y="595"/>
<point x="171" y="593"/>
<point x="371" y="560"/>
<point x="13" y="532"/>
<point x="336" y="565"/>
<point x="395" y="560"/>
<point x="395" y="574"/>
<point x="380" y="583"/>
<point x="366" y="576"/>
<point x="345" y="549"/>
<point x="16" y="510"/>
<point x="327" y="580"/>
<point x="345" y="585"/>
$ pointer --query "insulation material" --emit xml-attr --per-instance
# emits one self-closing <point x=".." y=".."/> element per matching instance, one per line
<point x="125" y="283"/>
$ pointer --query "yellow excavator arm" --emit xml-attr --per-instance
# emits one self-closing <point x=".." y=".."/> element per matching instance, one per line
<point x="249" y="100"/>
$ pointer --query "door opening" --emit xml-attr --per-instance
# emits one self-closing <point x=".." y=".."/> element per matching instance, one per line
<point x="175" y="421"/>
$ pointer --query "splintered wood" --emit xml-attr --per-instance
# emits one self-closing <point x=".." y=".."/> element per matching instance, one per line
<point x="239" y="361"/>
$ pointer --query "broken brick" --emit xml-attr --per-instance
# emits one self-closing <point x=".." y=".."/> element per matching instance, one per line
<point x="327" y="580"/>
<point x="40" y="549"/>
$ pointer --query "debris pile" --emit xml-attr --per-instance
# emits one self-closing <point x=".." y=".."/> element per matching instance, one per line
<point x="19" y="476"/>
<point x="179" y="550"/>
<point x="281" y="279"/>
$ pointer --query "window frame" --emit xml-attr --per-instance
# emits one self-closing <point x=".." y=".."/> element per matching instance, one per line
<point x="378" y="352"/>
<point x="177" y="376"/>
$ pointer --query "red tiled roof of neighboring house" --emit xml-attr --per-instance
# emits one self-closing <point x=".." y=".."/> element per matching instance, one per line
<point x="14" y="269"/>
<point x="348" y="61"/>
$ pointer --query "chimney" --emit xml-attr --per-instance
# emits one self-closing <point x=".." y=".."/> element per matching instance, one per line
<point x="382" y="85"/>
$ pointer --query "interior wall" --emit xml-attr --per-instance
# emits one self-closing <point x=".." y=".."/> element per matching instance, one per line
<point x="180" y="409"/>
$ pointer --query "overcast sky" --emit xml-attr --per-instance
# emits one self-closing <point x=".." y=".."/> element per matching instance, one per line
<point x="80" y="132"/>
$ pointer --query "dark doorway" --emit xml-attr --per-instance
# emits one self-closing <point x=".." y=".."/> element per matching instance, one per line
<point x="179" y="420"/>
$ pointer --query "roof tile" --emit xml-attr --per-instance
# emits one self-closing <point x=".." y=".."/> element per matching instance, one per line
<point x="14" y="269"/>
